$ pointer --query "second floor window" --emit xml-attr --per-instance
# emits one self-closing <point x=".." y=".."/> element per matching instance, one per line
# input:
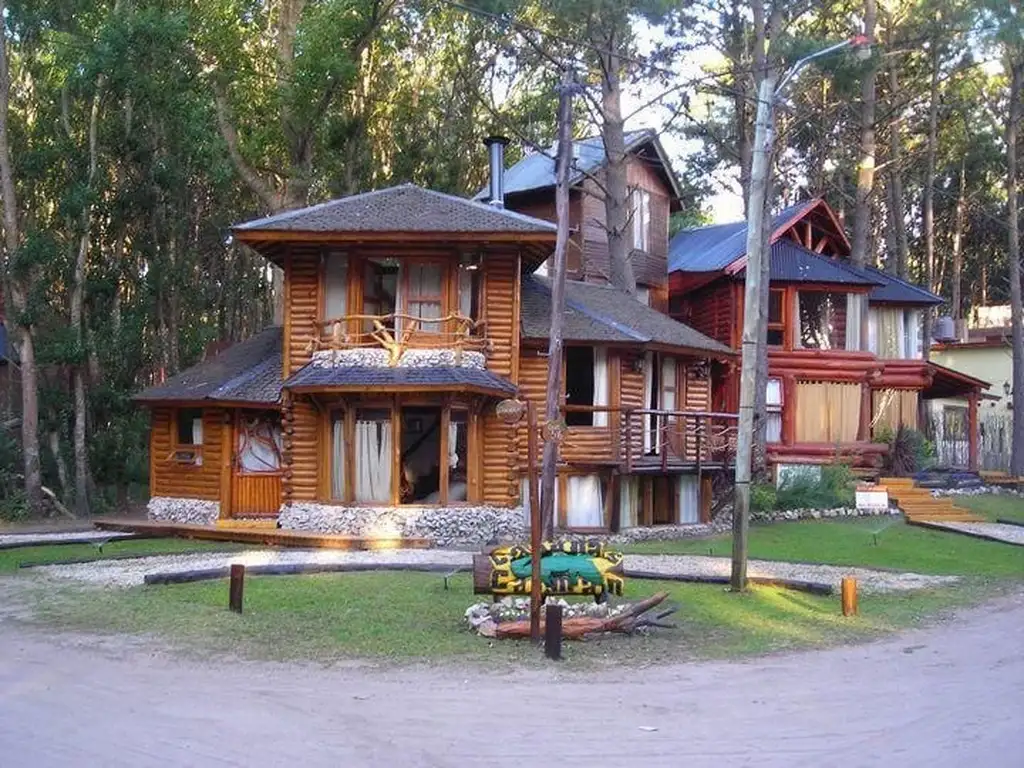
<point x="640" y="211"/>
<point x="822" y="318"/>
<point x="586" y="384"/>
<point x="424" y="295"/>
<point x="776" y="317"/>
<point x="335" y="286"/>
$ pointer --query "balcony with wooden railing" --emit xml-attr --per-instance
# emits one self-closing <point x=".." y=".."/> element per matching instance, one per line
<point x="397" y="332"/>
<point x="645" y="440"/>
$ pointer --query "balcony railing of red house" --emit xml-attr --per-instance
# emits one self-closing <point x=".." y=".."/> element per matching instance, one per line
<point x="396" y="332"/>
<point x="652" y="439"/>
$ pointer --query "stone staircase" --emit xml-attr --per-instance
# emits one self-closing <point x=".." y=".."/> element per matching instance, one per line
<point x="919" y="506"/>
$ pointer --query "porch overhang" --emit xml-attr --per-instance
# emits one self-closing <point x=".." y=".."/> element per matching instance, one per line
<point x="315" y="378"/>
<point x="946" y="382"/>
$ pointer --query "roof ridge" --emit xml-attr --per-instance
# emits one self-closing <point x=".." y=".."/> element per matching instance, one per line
<point x="291" y="214"/>
<point x="488" y="207"/>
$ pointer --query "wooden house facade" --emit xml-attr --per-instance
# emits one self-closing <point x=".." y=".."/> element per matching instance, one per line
<point x="409" y="315"/>
<point x="829" y="392"/>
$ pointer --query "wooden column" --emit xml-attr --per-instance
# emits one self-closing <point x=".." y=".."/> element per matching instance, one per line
<point x="288" y="430"/>
<point x="789" y="406"/>
<point x="706" y="499"/>
<point x="864" y="425"/>
<point x="972" y="431"/>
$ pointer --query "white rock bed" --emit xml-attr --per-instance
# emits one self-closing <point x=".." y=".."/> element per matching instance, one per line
<point x="1012" y="534"/>
<point x="49" y="538"/>
<point x="129" y="573"/>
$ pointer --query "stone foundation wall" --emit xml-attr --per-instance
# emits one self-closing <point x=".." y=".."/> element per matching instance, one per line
<point x="173" y="510"/>
<point x="445" y="526"/>
<point x="782" y="515"/>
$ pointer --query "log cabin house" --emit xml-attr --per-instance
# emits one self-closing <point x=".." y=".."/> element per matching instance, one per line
<point x="409" y="314"/>
<point x="827" y="393"/>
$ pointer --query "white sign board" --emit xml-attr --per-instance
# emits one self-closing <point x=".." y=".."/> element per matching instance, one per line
<point x="874" y="499"/>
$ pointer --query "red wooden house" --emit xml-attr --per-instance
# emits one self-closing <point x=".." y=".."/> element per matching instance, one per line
<point x="828" y="390"/>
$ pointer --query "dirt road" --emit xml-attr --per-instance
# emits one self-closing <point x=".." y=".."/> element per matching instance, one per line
<point x="951" y="695"/>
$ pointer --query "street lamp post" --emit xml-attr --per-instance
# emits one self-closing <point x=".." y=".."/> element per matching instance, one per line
<point x="760" y="168"/>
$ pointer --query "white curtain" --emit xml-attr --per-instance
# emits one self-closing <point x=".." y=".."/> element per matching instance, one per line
<point x="856" y="304"/>
<point x="600" y="386"/>
<point x="648" y="386"/>
<point x="335" y="286"/>
<point x="629" y="502"/>
<point x="197" y="430"/>
<point x="913" y="334"/>
<point x="425" y="280"/>
<point x="689" y="499"/>
<point x="373" y="461"/>
<point x="465" y="292"/>
<point x="259" y="448"/>
<point x="668" y="394"/>
<point x="338" y="459"/>
<point x="873" y="330"/>
<point x="584" y="506"/>
<point x="773" y="407"/>
<point x="643" y="295"/>
<point x="524" y="497"/>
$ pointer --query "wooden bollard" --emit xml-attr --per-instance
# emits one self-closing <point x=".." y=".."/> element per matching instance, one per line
<point x="849" y="596"/>
<point x="235" y="590"/>
<point x="553" y="632"/>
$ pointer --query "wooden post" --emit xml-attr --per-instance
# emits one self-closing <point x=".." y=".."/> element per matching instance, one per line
<point x="864" y="425"/>
<point x="536" y="522"/>
<point x="972" y="431"/>
<point x="553" y="632"/>
<point x="849" y="596"/>
<point x="236" y="587"/>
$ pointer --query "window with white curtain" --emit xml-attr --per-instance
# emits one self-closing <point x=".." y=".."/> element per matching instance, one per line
<point x="335" y="286"/>
<point x="586" y="384"/>
<point x="423" y="294"/>
<point x="643" y="295"/>
<point x="190" y="426"/>
<point x="373" y="455"/>
<point x="584" y="502"/>
<point x="640" y="210"/>
<point x="629" y="501"/>
<point x="338" y="455"/>
<point x="773" y="410"/>
<point x="688" y="499"/>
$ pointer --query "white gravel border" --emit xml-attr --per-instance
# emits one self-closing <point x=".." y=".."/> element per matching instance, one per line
<point x="131" y="572"/>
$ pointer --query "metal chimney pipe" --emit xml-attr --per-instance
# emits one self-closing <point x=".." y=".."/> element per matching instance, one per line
<point x="496" y="150"/>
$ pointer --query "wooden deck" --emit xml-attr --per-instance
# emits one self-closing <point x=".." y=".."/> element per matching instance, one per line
<point x="1000" y="478"/>
<point x="274" y="537"/>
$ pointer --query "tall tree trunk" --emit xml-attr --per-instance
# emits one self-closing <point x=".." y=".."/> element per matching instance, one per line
<point x="549" y="464"/>
<point x="20" y="286"/>
<point x="958" y="236"/>
<point x="58" y="460"/>
<point x="898" y="212"/>
<point x="1016" y="304"/>
<point x="618" y="220"/>
<point x="860" y="243"/>
<point x="928" y="207"/>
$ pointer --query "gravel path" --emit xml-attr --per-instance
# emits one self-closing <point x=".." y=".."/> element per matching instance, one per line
<point x="1011" y="534"/>
<point x="127" y="573"/>
<point x="943" y="697"/>
<point x="85" y="537"/>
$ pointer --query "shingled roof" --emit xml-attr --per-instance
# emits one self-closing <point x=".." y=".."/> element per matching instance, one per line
<point x="600" y="313"/>
<point x="894" y="290"/>
<point x="380" y="378"/>
<point x="247" y="372"/>
<point x="407" y="209"/>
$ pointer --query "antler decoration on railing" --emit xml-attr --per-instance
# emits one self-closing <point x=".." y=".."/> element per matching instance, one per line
<point x="396" y="332"/>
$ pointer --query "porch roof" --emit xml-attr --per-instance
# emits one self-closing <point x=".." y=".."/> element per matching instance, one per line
<point x="347" y="378"/>
<point x="247" y="372"/>
<point x="947" y="382"/>
<point x="793" y="263"/>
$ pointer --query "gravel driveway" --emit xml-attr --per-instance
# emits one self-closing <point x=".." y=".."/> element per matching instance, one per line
<point x="126" y="573"/>
<point x="944" y="697"/>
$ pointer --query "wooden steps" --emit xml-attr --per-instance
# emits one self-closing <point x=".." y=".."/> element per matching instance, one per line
<point x="919" y="506"/>
<point x="273" y="537"/>
<point x="267" y="524"/>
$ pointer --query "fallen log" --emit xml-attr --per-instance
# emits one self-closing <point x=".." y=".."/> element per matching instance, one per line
<point x="579" y="627"/>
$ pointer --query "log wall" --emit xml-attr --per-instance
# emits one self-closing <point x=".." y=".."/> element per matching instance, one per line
<point x="302" y="304"/>
<point x="171" y="478"/>
<point x="307" y="463"/>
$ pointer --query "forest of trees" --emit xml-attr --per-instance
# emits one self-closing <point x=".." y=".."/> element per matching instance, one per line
<point x="134" y="133"/>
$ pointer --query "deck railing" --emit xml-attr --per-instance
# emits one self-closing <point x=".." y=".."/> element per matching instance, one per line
<point x="398" y="331"/>
<point x="653" y="439"/>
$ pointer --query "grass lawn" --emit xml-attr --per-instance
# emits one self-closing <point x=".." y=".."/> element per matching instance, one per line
<point x="870" y="542"/>
<point x="994" y="507"/>
<point x="10" y="558"/>
<point x="410" y="617"/>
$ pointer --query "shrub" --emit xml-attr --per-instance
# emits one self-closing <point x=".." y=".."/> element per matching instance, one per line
<point x="834" y="488"/>
<point x="909" y="452"/>
<point x="762" y="497"/>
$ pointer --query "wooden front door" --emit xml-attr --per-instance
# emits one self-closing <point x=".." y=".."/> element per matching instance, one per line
<point x="256" y="465"/>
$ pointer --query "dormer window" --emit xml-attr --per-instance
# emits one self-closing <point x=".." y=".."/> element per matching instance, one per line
<point x="640" y="212"/>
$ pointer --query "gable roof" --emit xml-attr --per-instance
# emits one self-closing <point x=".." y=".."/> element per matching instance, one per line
<point x="536" y="171"/>
<point x="792" y="263"/>
<point x="895" y="290"/>
<point x="406" y="208"/>
<point x="603" y="314"/>
<point x="247" y="372"/>
<point x="714" y="248"/>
